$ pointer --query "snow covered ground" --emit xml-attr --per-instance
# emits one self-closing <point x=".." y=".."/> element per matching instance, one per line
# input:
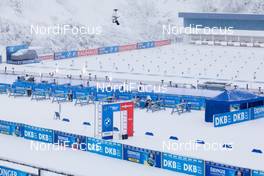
<point x="188" y="127"/>
<point x="178" y="63"/>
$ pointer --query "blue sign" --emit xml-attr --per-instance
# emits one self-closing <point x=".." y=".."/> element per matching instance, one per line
<point x="11" y="128"/>
<point x="258" y="112"/>
<point x="142" y="156"/>
<point x="257" y="173"/>
<point x="107" y="50"/>
<point x="214" y="169"/>
<point x="108" y="115"/>
<point x="182" y="164"/>
<point x="232" y="118"/>
<point x="38" y="134"/>
<point x="144" y="45"/>
<point x="70" y="140"/>
<point x="105" y="148"/>
<point x="12" y="49"/>
<point x="65" y="55"/>
<point x="4" y="171"/>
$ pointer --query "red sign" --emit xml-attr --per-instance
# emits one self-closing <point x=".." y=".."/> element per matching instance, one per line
<point x="88" y="52"/>
<point x="46" y="57"/>
<point x="127" y="47"/>
<point x="162" y="42"/>
<point x="129" y="107"/>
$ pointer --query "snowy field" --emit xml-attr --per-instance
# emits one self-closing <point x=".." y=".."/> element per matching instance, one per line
<point x="188" y="127"/>
<point x="180" y="63"/>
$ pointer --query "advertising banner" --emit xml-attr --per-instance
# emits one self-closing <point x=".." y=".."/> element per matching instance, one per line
<point x="4" y="171"/>
<point x="38" y="134"/>
<point x="127" y="47"/>
<point x="258" y="112"/>
<point x="46" y="57"/>
<point x="214" y="169"/>
<point x="108" y="50"/>
<point x="12" y="49"/>
<point x="232" y="118"/>
<point x="162" y="43"/>
<point x="70" y="140"/>
<point x="87" y="52"/>
<point x="182" y="164"/>
<point x="105" y="148"/>
<point x="142" y="156"/>
<point x="129" y="107"/>
<point x="108" y="115"/>
<point x="65" y="55"/>
<point x="257" y="173"/>
<point x="144" y="45"/>
<point x="10" y="128"/>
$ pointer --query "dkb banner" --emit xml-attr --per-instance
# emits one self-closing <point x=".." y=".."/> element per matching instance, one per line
<point x="70" y="140"/>
<point x="11" y="128"/>
<point x="4" y="171"/>
<point x="258" y="112"/>
<point x="182" y="164"/>
<point x="142" y="156"/>
<point x="105" y="148"/>
<point x="107" y="119"/>
<point x="214" y="169"/>
<point x="232" y="118"/>
<point x="38" y="134"/>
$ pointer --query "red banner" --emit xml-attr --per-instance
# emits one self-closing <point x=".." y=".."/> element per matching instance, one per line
<point x="88" y="52"/>
<point x="129" y="107"/>
<point x="162" y="43"/>
<point x="46" y="57"/>
<point x="127" y="47"/>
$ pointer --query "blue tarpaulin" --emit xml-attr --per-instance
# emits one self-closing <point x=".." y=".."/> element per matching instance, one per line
<point x="222" y="102"/>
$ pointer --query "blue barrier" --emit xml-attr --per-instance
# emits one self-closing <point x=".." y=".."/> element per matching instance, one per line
<point x="134" y="154"/>
<point x="183" y="164"/>
<point x="225" y="119"/>
<point x="105" y="148"/>
<point x="70" y="140"/>
<point x="10" y="128"/>
<point x="108" y="50"/>
<point x="257" y="173"/>
<point x="5" y="171"/>
<point x="142" y="156"/>
<point x="213" y="169"/>
<point x="38" y="134"/>
<point x="144" y="45"/>
<point x="65" y="55"/>
<point x="258" y="112"/>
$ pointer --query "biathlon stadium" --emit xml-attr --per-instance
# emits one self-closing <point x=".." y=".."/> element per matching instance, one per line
<point x="191" y="104"/>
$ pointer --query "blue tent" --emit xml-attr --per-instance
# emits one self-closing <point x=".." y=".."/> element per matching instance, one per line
<point x="223" y="102"/>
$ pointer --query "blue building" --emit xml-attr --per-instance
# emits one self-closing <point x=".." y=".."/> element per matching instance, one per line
<point x="224" y="20"/>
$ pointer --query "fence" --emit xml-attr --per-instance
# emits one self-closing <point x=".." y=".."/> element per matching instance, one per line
<point x="80" y="53"/>
<point x="240" y="116"/>
<point x="151" y="158"/>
